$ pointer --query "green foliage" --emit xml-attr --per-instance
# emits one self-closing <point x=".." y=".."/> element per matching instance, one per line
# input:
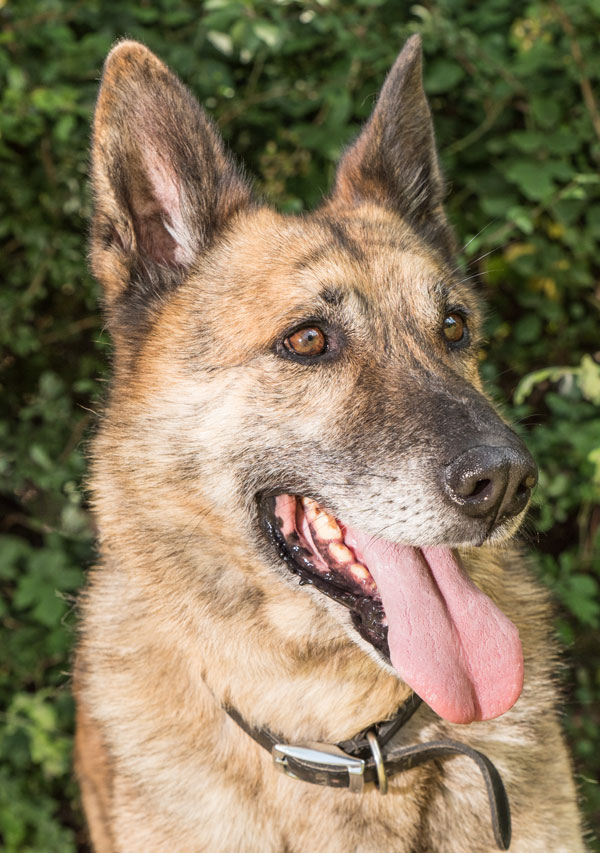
<point x="289" y="82"/>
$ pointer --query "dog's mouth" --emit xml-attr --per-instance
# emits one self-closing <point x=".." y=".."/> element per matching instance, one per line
<point x="416" y="606"/>
<point x="312" y="543"/>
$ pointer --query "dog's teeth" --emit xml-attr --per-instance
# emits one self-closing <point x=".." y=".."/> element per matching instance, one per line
<point x="340" y="553"/>
<point x="359" y="572"/>
<point x="313" y="511"/>
<point x="327" y="528"/>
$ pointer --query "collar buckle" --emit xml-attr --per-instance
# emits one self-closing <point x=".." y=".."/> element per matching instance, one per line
<point x="322" y="760"/>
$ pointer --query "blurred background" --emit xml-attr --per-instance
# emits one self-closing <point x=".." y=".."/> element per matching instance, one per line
<point x="289" y="81"/>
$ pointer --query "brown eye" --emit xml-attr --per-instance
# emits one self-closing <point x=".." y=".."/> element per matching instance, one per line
<point x="308" y="341"/>
<point x="454" y="327"/>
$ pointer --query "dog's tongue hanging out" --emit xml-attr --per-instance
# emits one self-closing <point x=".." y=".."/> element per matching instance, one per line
<point x="447" y="639"/>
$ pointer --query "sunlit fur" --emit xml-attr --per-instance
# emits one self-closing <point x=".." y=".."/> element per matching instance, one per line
<point x="189" y="607"/>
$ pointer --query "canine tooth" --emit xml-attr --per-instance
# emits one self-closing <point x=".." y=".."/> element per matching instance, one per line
<point x="359" y="572"/>
<point x="341" y="553"/>
<point x="312" y="510"/>
<point x="326" y="527"/>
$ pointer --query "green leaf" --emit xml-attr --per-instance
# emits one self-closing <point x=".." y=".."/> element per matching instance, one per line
<point x="528" y="383"/>
<point x="221" y="41"/>
<point x="546" y="110"/>
<point x="442" y="75"/>
<point x="268" y="33"/>
<point x="580" y="594"/>
<point x="535" y="180"/>
<point x="528" y="328"/>
<point x="40" y="456"/>
<point x="14" y="551"/>
<point x="594" y="458"/>
<point x="528" y="141"/>
<point x="589" y="379"/>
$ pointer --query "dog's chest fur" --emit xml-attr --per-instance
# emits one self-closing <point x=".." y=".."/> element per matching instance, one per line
<point x="179" y="769"/>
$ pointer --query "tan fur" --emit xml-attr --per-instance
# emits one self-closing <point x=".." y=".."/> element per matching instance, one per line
<point x="186" y="611"/>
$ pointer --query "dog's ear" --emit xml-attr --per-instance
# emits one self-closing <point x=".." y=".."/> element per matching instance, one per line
<point x="394" y="160"/>
<point x="163" y="182"/>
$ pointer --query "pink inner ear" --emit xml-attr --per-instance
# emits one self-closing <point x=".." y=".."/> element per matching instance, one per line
<point x="167" y="192"/>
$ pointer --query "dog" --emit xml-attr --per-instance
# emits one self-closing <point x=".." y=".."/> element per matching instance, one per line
<point x="310" y="628"/>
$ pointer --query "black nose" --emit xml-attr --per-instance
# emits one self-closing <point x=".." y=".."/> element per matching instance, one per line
<point x="491" y="481"/>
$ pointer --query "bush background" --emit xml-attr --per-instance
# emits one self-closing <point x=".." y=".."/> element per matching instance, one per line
<point x="512" y="90"/>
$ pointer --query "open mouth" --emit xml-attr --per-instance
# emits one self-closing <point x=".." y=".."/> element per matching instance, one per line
<point x="313" y="544"/>
<point x="417" y="606"/>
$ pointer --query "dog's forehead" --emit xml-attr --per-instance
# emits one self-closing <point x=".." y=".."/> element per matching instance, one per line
<point x="283" y="263"/>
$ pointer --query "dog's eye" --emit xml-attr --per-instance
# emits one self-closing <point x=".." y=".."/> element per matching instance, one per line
<point x="455" y="327"/>
<point x="309" y="341"/>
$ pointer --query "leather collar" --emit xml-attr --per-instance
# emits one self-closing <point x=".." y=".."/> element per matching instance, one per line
<point x="364" y="759"/>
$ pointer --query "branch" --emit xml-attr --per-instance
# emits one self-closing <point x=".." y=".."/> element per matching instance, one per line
<point x="586" y="86"/>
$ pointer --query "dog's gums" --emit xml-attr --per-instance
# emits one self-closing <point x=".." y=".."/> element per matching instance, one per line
<point x="311" y="542"/>
<point x="417" y="606"/>
<point x="318" y="533"/>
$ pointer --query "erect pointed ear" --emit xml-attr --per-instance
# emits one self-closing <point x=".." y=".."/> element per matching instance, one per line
<point x="394" y="160"/>
<point x="163" y="183"/>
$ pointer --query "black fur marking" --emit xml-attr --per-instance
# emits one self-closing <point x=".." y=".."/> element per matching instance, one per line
<point x="332" y="296"/>
<point x="363" y="301"/>
<point x="313" y="257"/>
<point x="344" y="241"/>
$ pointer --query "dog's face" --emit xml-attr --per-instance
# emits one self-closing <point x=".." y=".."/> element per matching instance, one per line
<point x="312" y="381"/>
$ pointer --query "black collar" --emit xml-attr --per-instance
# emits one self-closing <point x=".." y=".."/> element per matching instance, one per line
<point x="352" y="763"/>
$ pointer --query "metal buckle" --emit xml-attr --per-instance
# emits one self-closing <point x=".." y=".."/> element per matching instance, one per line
<point x="382" y="782"/>
<point x="324" y="754"/>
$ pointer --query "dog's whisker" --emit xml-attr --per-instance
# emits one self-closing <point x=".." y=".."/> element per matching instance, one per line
<point x="477" y="275"/>
<point x="481" y="230"/>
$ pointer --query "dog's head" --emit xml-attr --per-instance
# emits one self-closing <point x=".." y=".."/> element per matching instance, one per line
<point x="310" y="383"/>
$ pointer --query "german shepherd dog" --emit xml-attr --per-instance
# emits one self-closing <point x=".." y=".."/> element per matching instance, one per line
<point x="305" y="504"/>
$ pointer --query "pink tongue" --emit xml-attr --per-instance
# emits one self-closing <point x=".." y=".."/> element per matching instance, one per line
<point x="447" y="639"/>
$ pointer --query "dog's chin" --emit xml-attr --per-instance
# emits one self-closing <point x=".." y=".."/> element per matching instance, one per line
<point x="506" y="530"/>
<point x="466" y="535"/>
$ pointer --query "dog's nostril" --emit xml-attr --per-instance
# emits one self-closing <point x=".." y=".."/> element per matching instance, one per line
<point x="479" y="488"/>
<point x="524" y="488"/>
<point x="526" y="485"/>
